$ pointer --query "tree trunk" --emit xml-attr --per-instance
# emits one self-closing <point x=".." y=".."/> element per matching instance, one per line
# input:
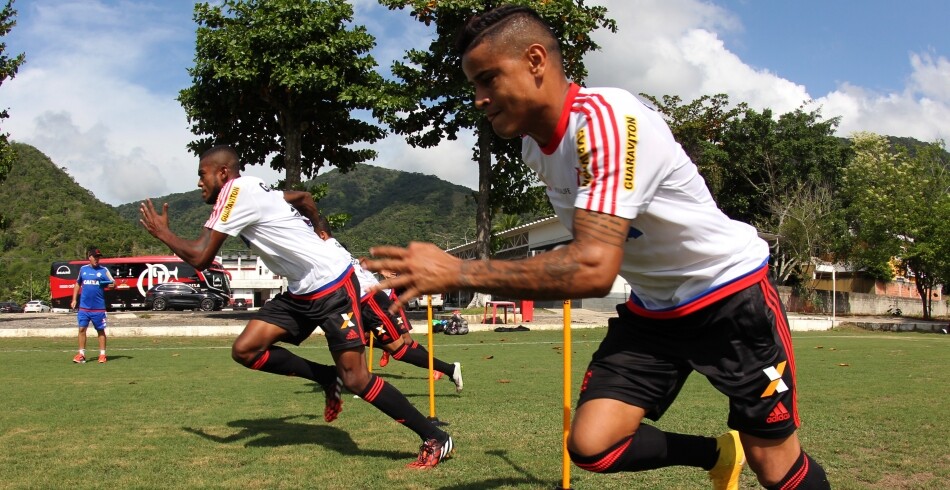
<point x="925" y="298"/>
<point x="483" y="211"/>
<point x="293" y="137"/>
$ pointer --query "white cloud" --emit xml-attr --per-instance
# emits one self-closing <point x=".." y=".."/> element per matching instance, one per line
<point x="93" y="164"/>
<point x="450" y="161"/>
<point x="920" y="111"/>
<point x="97" y="93"/>
<point x="675" y="48"/>
<point x="77" y="100"/>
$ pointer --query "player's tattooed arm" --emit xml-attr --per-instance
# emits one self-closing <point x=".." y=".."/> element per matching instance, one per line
<point x="584" y="268"/>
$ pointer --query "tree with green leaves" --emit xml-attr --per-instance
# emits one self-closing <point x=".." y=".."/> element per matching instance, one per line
<point x="780" y="174"/>
<point x="767" y="158"/>
<point x="437" y="100"/>
<point x="699" y="127"/>
<point x="898" y="212"/>
<point x="8" y="69"/>
<point x="282" y="81"/>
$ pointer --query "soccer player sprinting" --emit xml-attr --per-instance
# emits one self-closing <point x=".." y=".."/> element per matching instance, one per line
<point x="389" y="329"/>
<point x="636" y="205"/>
<point x="322" y="291"/>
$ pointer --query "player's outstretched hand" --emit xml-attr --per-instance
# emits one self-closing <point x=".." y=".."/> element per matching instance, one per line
<point x="156" y="223"/>
<point x="420" y="268"/>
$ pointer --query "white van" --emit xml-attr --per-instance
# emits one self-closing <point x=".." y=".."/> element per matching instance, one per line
<point x="419" y="303"/>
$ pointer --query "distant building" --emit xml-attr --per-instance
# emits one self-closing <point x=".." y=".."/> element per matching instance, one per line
<point x="251" y="280"/>
<point x="543" y="235"/>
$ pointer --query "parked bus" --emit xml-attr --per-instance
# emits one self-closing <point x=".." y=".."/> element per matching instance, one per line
<point x="133" y="277"/>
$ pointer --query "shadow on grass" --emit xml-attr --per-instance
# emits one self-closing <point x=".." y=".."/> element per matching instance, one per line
<point x="282" y="432"/>
<point x="115" y="358"/>
<point x="526" y="479"/>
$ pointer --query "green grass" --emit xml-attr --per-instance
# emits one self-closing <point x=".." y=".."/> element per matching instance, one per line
<point x="178" y="413"/>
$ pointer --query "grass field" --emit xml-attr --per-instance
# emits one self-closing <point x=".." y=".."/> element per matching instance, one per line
<point x="178" y="413"/>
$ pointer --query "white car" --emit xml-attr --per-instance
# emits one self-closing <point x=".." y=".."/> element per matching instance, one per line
<point x="420" y="303"/>
<point x="36" y="306"/>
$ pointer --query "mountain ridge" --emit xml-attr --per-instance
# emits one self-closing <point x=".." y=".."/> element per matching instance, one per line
<point x="48" y="216"/>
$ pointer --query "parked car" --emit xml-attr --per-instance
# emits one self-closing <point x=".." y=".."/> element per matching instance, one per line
<point x="10" y="307"/>
<point x="419" y="303"/>
<point x="180" y="296"/>
<point x="36" y="306"/>
<point x="240" y="304"/>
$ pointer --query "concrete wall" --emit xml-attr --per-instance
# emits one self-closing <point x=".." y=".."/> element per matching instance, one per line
<point x="858" y="304"/>
<point x="847" y="304"/>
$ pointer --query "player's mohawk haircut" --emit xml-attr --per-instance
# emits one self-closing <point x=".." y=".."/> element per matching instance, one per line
<point x="479" y="26"/>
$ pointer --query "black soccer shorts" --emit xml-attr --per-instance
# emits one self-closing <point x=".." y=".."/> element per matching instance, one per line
<point x="377" y="319"/>
<point x="335" y="310"/>
<point x="741" y="343"/>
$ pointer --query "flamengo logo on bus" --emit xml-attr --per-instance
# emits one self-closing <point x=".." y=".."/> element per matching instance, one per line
<point x="154" y="274"/>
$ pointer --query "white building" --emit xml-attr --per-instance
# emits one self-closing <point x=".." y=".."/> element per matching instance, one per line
<point x="251" y="280"/>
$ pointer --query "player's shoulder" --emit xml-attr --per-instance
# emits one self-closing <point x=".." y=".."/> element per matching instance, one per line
<point x="608" y="95"/>
<point x="250" y="182"/>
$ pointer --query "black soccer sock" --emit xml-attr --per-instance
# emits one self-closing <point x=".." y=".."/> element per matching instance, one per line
<point x="650" y="448"/>
<point x="278" y="360"/>
<point x="390" y="401"/>
<point x="805" y="474"/>
<point x="417" y="355"/>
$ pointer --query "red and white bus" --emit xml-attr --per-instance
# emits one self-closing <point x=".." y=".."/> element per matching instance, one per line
<point x="133" y="277"/>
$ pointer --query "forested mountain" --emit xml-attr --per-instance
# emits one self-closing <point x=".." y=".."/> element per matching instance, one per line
<point x="47" y="216"/>
<point x="385" y="207"/>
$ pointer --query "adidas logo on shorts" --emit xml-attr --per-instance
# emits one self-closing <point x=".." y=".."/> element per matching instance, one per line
<point x="779" y="413"/>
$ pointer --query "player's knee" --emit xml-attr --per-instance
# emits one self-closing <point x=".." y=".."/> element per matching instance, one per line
<point x="354" y="380"/>
<point x="584" y="444"/>
<point x="243" y="354"/>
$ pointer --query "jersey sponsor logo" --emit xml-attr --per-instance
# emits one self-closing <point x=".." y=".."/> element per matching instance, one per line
<point x="776" y="384"/>
<point x="630" y="164"/>
<point x="584" y="176"/>
<point x="779" y="414"/>
<point x="229" y="205"/>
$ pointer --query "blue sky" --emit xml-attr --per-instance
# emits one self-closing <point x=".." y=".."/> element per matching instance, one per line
<point x="97" y="93"/>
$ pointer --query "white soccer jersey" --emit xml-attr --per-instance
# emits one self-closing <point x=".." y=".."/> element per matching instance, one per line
<point x="366" y="278"/>
<point x="614" y="155"/>
<point x="274" y="230"/>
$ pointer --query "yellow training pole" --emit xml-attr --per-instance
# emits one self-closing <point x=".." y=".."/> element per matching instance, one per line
<point x="431" y="376"/>
<point x="369" y="363"/>
<point x="565" y="457"/>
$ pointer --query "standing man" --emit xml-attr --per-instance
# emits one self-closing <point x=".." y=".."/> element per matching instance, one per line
<point x="390" y="330"/>
<point x="322" y="291"/>
<point x="636" y="205"/>
<point x="92" y="279"/>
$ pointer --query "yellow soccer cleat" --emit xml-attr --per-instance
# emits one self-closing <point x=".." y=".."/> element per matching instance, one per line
<point x="725" y="475"/>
